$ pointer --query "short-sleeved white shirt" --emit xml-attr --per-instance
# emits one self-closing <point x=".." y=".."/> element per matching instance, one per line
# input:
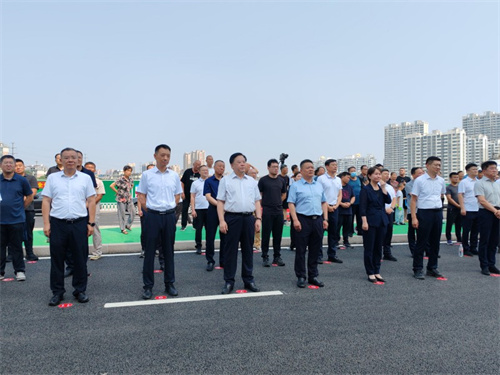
<point x="466" y="188"/>
<point x="331" y="187"/>
<point x="490" y="190"/>
<point x="392" y="194"/>
<point x="239" y="194"/>
<point x="200" y="202"/>
<point x="69" y="194"/>
<point x="160" y="188"/>
<point x="429" y="191"/>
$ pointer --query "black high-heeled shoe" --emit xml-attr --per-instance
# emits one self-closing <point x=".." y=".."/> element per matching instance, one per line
<point x="380" y="279"/>
<point x="372" y="280"/>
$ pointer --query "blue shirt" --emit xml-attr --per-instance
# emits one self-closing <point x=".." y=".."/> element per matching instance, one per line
<point x="307" y="197"/>
<point x="12" y="193"/>
<point x="212" y="187"/>
<point x="160" y="188"/>
<point x="356" y="188"/>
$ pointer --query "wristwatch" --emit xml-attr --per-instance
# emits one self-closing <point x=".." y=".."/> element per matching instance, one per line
<point x="91" y="224"/>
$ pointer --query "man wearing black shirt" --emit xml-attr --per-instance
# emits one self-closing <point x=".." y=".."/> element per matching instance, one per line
<point x="56" y="168"/>
<point x="273" y="191"/>
<point x="188" y="177"/>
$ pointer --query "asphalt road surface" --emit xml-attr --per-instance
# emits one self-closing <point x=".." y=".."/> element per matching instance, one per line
<point x="405" y="326"/>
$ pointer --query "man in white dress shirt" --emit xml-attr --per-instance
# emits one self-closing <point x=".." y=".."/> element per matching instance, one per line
<point x="199" y="206"/>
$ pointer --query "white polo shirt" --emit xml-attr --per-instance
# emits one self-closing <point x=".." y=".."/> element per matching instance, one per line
<point x="429" y="191"/>
<point x="331" y="187"/>
<point x="466" y="188"/>
<point x="391" y="192"/>
<point x="160" y="188"/>
<point x="200" y="202"/>
<point x="239" y="194"/>
<point x="489" y="190"/>
<point x="69" y="194"/>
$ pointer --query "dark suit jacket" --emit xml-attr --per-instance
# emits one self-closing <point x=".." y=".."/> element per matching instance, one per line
<point x="372" y="205"/>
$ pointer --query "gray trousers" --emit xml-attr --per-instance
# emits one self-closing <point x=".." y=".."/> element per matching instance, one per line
<point x="96" y="237"/>
<point x="122" y="215"/>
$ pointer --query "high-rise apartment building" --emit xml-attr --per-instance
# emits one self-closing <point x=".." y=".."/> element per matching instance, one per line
<point x="394" y="135"/>
<point x="487" y="124"/>
<point x="191" y="157"/>
<point x="450" y="147"/>
<point x="357" y="161"/>
<point x="477" y="149"/>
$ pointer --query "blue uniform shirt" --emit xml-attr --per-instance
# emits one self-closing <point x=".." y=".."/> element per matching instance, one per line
<point x="12" y="193"/>
<point x="212" y="187"/>
<point x="307" y="197"/>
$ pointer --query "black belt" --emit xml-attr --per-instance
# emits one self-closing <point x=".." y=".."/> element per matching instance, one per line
<point x="430" y="209"/>
<point x="69" y="221"/>
<point x="239" y="213"/>
<point x="171" y="211"/>
<point x="313" y="217"/>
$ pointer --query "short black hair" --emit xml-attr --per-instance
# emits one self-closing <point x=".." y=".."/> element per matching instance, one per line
<point x="351" y="167"/>
<point x="149" y="165"/>
<point x="219" y="161"/>
<point x="126" y="168"/>
<point x="453" y="174"/>
<point x="487" y="164"/>
<point x="379" y="165"/>
<point x="157" y="148"/>
<point x="329" y="161"/>
<point x="68" y="149"/>
<point x="372" y="171"/>
<point x="470" y="165"/>
<point x="19" y="161"/>
<point x="414" y="170"/>
<point x="343" y="174"/>
<point x="283" y="166"/>
<point x="7" y="157"/>
<point x="294" y="166"/>
<point x="363" y="166"/>
<point x="235" y="155"/>
<point x="430" y="159"/>
<point x="384" y="170"/>
<point x="317" y="170"/>
<point x="79" y="152"/>
<point x="55" y="156"/>
<point x="272" y="161"/>
<point x="305" y="161"/>
<point x="91" y="163"/>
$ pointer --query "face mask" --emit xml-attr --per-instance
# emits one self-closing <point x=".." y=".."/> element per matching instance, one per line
<point x="353" y="174"/>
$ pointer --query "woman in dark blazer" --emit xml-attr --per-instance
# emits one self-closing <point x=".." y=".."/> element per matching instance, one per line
<point x="372" y="200"/>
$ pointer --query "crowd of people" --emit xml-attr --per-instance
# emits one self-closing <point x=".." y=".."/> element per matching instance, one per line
<point x="246" y="211"/>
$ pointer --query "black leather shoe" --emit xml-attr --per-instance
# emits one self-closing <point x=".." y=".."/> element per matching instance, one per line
<point x="210" y="267"/>
<point x="279" y="262"/>
<point x="320" y="261"/>
<point x="301" y="282"/>
<point x="68" y="273"/>
<point x="390" y="257"/>
<point x="56" y="300"/>
<point x="147" y="294"/>
<point x="315" y="281"/>
<point x="374" y="280"/>
<point x="228" y="288"/>
<point x="266" y="262"/>
<point x="433" y="273"/>
<point x="379" y="278"/>
<point x="335" y="260"/>
<point x="198" y="251"/>
<point x="474" y="252"/>
<point x="252" y="287"/>
<point x="82" y="297"/>
<point x="494" y="270"/>
<point x="170" y="290"/>
<point x="468" y="254"/>
<point x="31" y="257"/>
<point x="419" y="275"/>
<point x="485" y="271"/>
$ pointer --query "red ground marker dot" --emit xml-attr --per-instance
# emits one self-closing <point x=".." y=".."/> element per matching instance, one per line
<point x="327" y="262"/>
<point x="491" y="274"/>
<point x="65" y="305"/>
<point x="161" y="297"/>
<point x="158" y="271"/>
<point x="274" y="265"/>
<point x="442" y="278"/>
<point x="202" y="253"/>
<point x="379" y="283"/>
<point x="426" y="257"/>
<point x="31" y="262"/>
<point x="256" y="251"/>
<point x="241" y="291"/>
<point x="467" y="256"/>
<point x="8" y="279"/>
<point x="313" y="287"/>
<point x="219" y="268"/>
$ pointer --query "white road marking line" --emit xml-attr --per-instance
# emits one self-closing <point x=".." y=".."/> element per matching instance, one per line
<point x="192" y="299"/>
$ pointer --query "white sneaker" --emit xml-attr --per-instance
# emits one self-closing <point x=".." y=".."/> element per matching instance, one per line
<point x="95" y="257"/>
<point x="20" y="276"/>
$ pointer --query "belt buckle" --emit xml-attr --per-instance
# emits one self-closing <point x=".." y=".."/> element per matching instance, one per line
<point x="314" y="217"/>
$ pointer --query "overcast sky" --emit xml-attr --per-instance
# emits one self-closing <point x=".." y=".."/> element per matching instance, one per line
<point x="309" y="78"/>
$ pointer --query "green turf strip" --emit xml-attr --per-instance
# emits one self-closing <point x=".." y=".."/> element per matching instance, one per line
<point x="114" y="236"/>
